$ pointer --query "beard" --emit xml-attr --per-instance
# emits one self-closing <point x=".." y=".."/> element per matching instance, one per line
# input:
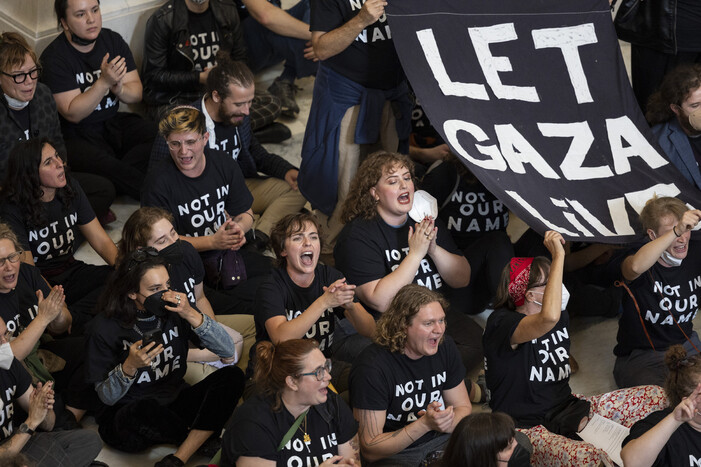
<point x="228" y="119"/>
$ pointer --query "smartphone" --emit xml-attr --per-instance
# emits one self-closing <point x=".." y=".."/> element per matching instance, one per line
<point x="154" y="335"/>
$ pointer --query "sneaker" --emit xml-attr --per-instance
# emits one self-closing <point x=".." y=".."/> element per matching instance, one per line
<point x="169" y="461"/>
<point x="285" y="91"/>
<point x="274" y="133"/>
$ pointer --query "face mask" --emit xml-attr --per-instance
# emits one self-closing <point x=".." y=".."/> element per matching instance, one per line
<point x="155" y="304"/>
<point x="565" y="298"/>
<point x="695" y="119"/>
<point x="173" y="254"/>
<point x="77" y="40"/>
<point x="15" y="104"/>
<point x="6" y="356"/>
<point x="670" y="260"/>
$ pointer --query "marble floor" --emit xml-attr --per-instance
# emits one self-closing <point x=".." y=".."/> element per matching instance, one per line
<point x="593" y="339"/>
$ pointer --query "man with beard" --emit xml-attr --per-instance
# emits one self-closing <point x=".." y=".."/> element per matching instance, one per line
<point x="675" y="113"/>
<point x="182" y="41"/>
<point x="226" y="104"/>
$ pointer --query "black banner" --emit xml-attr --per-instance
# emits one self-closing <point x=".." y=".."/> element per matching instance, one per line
<point x="534" y="97"/>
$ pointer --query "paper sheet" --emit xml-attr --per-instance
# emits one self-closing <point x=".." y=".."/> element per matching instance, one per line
<point x="605" y="434"/>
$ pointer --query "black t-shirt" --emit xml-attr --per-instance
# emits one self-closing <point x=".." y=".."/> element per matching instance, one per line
<point x="682" y="449"/>
<point x="695" y="143"/>
<point x="384" y="380"/>
<point x="66" y="69"/>
<point x="53" y="243"/>
<point x="228" y="139"/>
<point x="660" y="291"/>
<point x="469" y="210"/>
<point x="256" y="431"/>
<point x="22" y="117"/>
<point x="204" y="38"/>
<point x="18" y="307"/>
<point x="280" y="296"/>
<point x="199" y="205"/>
<point x="184" y="276"/>
<point x="540" y="368"/>
<point x="14" y="382"/>
<point x="370" y="60"/>
<point x="368" y="250"/>
<point x="108" y="345"/>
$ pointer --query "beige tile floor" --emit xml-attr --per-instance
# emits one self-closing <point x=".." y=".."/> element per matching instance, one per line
<point x="592" y="338"/>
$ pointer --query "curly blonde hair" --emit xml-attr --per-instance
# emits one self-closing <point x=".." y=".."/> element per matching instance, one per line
<point x="359" y="202"/>
<point x="393" y="324"/>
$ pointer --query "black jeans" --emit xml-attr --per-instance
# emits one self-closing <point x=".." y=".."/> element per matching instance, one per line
<point x="206" y="406"/>
<point x="118" y="149"/>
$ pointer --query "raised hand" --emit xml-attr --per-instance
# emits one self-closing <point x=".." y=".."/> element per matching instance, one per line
<point x="372" y="11"/>
<point x="50" y="307"/>
<point x="421" y="236"/>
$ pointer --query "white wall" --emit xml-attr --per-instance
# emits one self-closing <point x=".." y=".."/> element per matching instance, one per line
<point x="35" y="20"/>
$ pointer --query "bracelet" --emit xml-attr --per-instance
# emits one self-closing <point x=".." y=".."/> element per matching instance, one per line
<point x="407" y="433"/>
<point x="674" y="229"/>
<point x="121" y="370"/>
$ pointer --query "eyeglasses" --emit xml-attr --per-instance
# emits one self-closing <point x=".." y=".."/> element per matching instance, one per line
<point x="319" y="372"/>
<point x="12" y="258"/>
<point x="20" y="78"/>
<point x="141" y="255"/>
<point x="188" y="144"/>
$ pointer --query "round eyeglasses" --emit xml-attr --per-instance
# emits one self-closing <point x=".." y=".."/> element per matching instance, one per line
<point x="319" y="372"/>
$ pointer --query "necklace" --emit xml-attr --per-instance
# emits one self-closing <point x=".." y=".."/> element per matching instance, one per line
<point x="158" y="325"/>
<point x="303" y="429"/>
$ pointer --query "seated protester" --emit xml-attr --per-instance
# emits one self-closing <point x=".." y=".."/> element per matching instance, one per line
<point x="526" y="345"/>
<point x="33" y="437"/>
<point x="226" y="105"/>
<point x="46" y="207"/>
<point x="486" y="439"/>
<point x="30" y="309"/>
<point x="673" y="112"/>
<point x="380" y="249"/>
<point x="658" y="306"/>
<point x="90" y="70"/>
<point x="273" y="35"/>
<point x="670" y="436"/>
<point x="153" y="228"/>
<point x="295" y="420"/>
<point x="302" y="298"/>
<point x="211" y="207"/>
<point x="29" y="111"/>
<point x="182" y="39"/>
<point x="136" y="361"/>
<point x="407" y="389"/>
<point x="477" y="221"/>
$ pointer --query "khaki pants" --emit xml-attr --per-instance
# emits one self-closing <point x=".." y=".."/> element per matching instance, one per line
<point x="350" y="155"/>
<point x="273" y="199"/>
<point x="245" y="325"/>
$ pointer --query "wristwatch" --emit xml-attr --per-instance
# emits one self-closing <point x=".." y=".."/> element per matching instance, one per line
<point x="24" y="428"/>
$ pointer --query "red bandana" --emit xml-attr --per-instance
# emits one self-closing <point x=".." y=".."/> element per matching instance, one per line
<point x="518" y="279"/>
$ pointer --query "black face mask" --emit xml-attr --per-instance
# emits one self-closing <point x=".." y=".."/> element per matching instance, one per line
<point x="155" y="304"/>
<point x="77" y="40"/>
<point x="173" y="254"/>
